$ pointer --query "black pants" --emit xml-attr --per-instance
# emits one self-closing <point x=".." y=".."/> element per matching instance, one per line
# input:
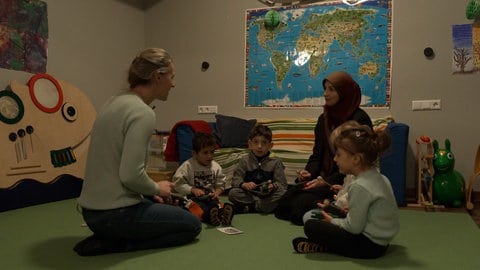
<point x="296" y="202"/>
<point x="337" y="240"/>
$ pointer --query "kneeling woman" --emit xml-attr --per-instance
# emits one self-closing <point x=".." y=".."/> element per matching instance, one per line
<point x="113" y="197"/>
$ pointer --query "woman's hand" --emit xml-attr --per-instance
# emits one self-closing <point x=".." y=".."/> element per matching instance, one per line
<point x="315" y="183"/>
<point x="158" y="199"/>
<point x="165" y="188"/>
<point x="304" y="175"/>
<point x="165" y="192"/>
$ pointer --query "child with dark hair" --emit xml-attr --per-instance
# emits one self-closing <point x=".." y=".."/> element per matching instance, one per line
<point x="372" y="218"/>
<point x="259" y="180"/>
<point x="201" y="180"/>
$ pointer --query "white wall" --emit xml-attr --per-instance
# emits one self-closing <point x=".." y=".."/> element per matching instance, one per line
<point x="426" y="23"/>
<point x="92" y="43"/>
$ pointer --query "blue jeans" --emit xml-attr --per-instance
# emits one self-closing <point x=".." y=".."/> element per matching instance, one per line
<point x="145" y="225"/>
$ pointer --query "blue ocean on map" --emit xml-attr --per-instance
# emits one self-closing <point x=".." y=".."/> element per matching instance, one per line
<point x="297" y="86"/>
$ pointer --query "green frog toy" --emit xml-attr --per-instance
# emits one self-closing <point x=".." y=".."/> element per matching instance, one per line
<point x="448" y="184"/>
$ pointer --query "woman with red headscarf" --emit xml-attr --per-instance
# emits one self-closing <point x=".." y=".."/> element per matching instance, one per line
<point x="342" y="100"/>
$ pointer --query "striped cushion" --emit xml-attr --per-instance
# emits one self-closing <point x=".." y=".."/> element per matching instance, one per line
<point x="292" y="134"/>
<point x="228" y="159"/>
<point x="381" y="123"/>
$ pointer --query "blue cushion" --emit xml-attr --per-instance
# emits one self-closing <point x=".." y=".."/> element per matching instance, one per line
<point x="393" y="163"/>
<point x="184" y="141"/>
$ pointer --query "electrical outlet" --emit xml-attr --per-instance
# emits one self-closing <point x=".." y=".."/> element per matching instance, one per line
<point x="436" y="104"/>
<point x="209" y="109"/>
<point x="424" y="105"/>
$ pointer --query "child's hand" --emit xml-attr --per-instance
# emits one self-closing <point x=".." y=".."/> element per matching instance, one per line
<point x="271" y="187"/>
<point x="249" y="185"/>
<point x="336" y="188"/>
<point x="197" y="192"/>
<point x="216" y="194"/>
<point x="319" y="182"/>
<point x="326" y="217"/>
<point x="326" y="202"/>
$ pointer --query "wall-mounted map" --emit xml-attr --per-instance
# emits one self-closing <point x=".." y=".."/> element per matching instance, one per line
<point x="291" y="49"/>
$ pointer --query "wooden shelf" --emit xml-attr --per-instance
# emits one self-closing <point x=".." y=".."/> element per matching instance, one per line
<point x="161" y="175"/>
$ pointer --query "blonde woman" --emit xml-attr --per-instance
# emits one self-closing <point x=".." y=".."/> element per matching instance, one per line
<point x="113" y="197"/>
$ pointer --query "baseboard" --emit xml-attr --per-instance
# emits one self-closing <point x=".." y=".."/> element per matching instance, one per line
<point x="411" y="196"/>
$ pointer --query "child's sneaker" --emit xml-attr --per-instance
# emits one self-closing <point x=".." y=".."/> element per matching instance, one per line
<point x="303" y="245"/>
<point x="215" y="216"/>
<point x="227" y="214"/>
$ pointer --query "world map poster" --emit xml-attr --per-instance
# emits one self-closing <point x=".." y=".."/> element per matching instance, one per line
<point x="291" y="49"/>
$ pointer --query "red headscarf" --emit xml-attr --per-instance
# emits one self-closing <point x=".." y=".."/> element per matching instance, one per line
<point x="349" y="100"/>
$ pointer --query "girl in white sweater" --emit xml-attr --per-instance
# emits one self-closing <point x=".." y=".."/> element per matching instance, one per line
<point x="372" y="218"/>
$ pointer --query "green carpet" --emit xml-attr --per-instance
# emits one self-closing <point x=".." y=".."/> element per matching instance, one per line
<point x="42" y="237"/>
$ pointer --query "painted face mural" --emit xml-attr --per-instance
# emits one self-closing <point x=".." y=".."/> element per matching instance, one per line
<point x="44" y="130"/>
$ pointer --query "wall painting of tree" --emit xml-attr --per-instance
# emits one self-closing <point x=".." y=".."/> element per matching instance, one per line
<point x="466" y="48"/>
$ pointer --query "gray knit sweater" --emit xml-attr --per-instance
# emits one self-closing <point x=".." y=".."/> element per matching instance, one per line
<point x="115" y="173"/>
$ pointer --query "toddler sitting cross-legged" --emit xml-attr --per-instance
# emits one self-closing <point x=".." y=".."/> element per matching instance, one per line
<point x="202" y="181"/>
<point x="259" y="180"/>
